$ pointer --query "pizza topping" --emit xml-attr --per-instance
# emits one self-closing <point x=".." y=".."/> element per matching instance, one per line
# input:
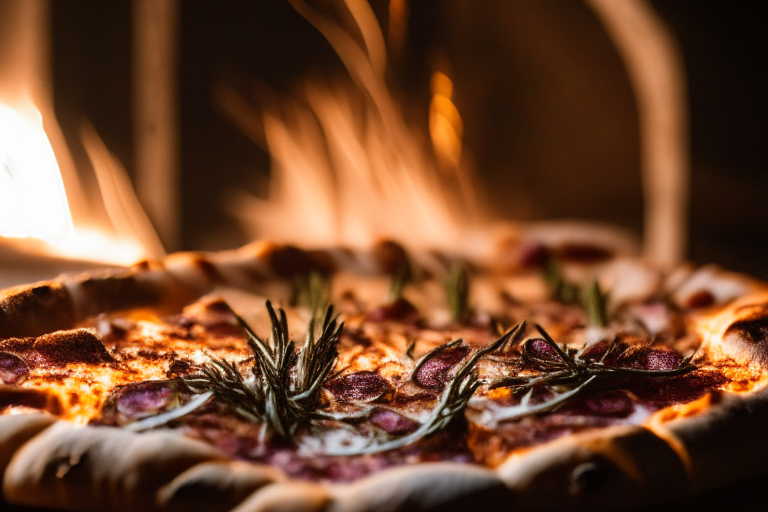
<point x="145" y="398"/>
<point x="451" y="404"/>
<point x="363" y="386"/>
<point x="583" y="253"/>
<point x="700" y="299"/>
<point x="607" y="403"/>
<point x="592" y="298"/>
<point x="456" y="286"/>
<point x="59" y="349"/>
<point x="283" y="393"/>
<point x="645" y="358"/>
<point x="13" y="369"/>
<point x="399" y="309"/>
<point x="567" y="374"/>
<point x="541" y="353"/>
<point x="392" y="422"/>
<point x="432" y="370"/>
<point x="533" y="254"/>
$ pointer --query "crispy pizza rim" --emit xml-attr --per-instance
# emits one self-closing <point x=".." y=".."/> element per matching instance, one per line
<point x="548" y="474"/>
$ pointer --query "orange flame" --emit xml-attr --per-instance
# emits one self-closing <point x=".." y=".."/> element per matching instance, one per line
<point x="347" y="169"/>
<point x="33" y="202"/>
<point x="33" y="198"/>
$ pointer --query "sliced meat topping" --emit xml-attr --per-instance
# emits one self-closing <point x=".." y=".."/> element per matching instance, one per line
<point x="139" y="400"/>
<point x="537" y="350"/>
<point x="13" y="369"/>
<point x="646" y="358"/>
<point x="59" y="349"/>
<point x="361" y="386"/>
<point x="614" y="403"/>
<point x="392" y="422"/>
<point x="433" y="373"/>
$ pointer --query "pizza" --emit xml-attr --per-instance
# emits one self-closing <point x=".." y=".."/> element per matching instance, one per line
<point x="275" y="378"/>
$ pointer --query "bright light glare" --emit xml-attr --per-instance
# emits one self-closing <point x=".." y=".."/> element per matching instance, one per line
<point x="33" y="202"/>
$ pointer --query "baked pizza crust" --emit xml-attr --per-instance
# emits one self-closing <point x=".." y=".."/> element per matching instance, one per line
<point x="619" y="467"/>
<point x="55" y="464"/>
<point x="79" y="468"/>
<point x="217" y="486"/>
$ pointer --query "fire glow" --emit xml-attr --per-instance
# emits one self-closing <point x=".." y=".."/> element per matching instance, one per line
<point x="34" y="204"/>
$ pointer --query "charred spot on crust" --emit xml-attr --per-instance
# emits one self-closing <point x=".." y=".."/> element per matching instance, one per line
<point x="700" y="299"/>
<point x="13" y="369"/>
<point x="750" y="337"/>
<point x="207" y="268"/>
<point x="181" y="368"/>
<point x="358" y="386"/>
<point x="583" y="253"/>
<point x="112" y="291"/>
<point x="433" y="374"/>
<point x="400" y="309"/>
<point x="586" y="478"/>
<point x="142" y="266"/>
<point x="208" y="312"/>
<point x="323" y="261"/>
<point x="288" y="261"/>
<point x="59" y="349"/>
<point x="11" y="396"/>
<point x="390" y="257"/>
<point x="533" y="255"/>
<point x="34" y="310"/>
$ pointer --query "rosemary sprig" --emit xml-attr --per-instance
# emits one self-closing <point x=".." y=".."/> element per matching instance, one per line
<point x="311" y="290"/>
<point x="399" y="279"/>
<point x="568" y="370"/>
<point x="559" y="288"/>
<point x="592" y="298"/>
<point x="456" y="286"/>
<point x="283" y="390"/>
<point x="596" y="304"/>
<point x="452" y="402"/>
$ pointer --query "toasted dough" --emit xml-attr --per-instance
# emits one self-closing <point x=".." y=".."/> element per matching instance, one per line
<point x="607" y="469"/>
<point x="63" y="466"/>
<point x="15" y="430"/>
<point x="287" y="497"/>
<point x="215" y="486"/>
<point x="726" y="443"/>
<point x="99" y="468"/>
<point x="437" y="486"/>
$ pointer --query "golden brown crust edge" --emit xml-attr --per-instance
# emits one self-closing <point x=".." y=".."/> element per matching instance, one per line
<point x="552" y="474"/>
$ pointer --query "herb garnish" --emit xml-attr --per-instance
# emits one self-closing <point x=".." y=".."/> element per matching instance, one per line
<point x="564" y="369"/>
<point x="281" y="399"/>
<point x="400" y="278"/>
<point x="452" y="402"/>
<point x="456" y="286"/>
<point x="311" y="290"/>
<point x="592" y="298"/>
